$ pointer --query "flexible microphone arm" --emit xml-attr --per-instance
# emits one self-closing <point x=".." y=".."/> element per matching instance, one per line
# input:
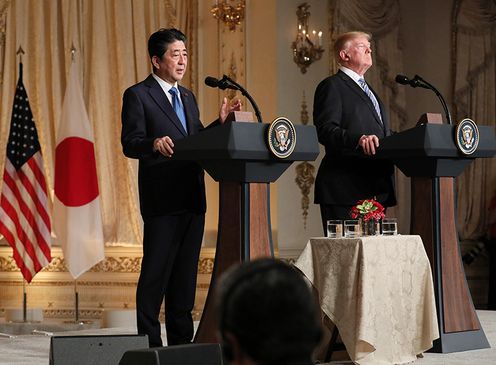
<point x="443" y="102"/>
<point x="245" y="93"/>
<point x="418" y="81"/>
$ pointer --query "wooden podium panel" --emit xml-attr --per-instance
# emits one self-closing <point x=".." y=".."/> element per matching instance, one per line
<point x="244" y="234"/>
<point x="457" y="302"/>
<point x="428" y="154"/>
<point x="457" y="306"/>
<point x="237" y="156"/>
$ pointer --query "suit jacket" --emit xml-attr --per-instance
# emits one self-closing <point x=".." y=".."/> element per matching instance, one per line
<point x="342" y="113"/>
<point x="165" y="186"/>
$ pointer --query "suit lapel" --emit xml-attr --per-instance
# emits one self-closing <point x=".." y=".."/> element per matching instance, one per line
<point x="163" y="103"/>
<point x="359" y="91"/>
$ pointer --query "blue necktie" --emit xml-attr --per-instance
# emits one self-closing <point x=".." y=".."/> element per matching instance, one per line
<point x="371" y="96"/>
<point x="178" y="107"/>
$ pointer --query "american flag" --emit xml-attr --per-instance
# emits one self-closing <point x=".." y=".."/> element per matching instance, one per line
<point x="24" y="218"/>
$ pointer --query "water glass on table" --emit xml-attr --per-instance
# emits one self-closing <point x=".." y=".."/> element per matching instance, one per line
<point x="351" y="228"/>
<point x="389" y="227"/>
<point x="334" y="228"/>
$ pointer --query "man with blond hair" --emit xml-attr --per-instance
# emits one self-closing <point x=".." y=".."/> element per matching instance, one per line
<point x="350" y="120"/>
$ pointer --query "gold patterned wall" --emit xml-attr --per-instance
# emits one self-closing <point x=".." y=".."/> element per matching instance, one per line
<point x="111" y="284"/>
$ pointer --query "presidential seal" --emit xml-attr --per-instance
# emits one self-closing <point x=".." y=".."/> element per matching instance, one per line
<point x="467" y="136"/>
<point x="281" y="137"/>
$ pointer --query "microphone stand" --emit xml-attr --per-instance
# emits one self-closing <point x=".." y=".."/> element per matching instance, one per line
<point x="443" y="102"/>
<point x="248" y="96"/>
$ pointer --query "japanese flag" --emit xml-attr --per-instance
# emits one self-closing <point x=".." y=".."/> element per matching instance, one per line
<point x="77" y="217"/>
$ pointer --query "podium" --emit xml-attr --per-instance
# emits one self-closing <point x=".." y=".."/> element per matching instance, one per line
<point x="238" y="157"/>
<point x="428" y="154"/>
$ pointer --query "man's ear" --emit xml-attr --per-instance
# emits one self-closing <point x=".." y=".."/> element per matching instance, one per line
<point x="344" y="55"/>
<point x="155" y="62"/>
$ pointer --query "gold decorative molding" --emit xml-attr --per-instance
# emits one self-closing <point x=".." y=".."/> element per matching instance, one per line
<point x="110" y="264"/>
<point x="118" y="264"/>
<point x="56" y="265"/>
<point x="65" y="283"/>
<point x="304" y="112"/>
<point x="233" y="74"/>
<point x="230" y="15"/>
<point x="171" y="14"/>
<point x="111" y="284"/>
<point x="4" y="6"/>
<point x="305" y="179"/>
<point x="8" y="264"/>
<point x="331" y="35"/>
<point x="97" y="313"/>
<point x="232" y="56"/>
<point x="305" y="171"/>
<point x="71" y="313"/>
<point x="206" y="266"/>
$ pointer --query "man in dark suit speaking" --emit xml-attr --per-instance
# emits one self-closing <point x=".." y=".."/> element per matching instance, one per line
<point x="155" y="113"/>
<point x="350" y="119"/>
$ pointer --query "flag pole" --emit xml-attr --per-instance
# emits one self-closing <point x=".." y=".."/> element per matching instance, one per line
<point x="20" y="52"/>
<point x="24" y="301"/>
<point x="76" y="293"/>
<point x="76" y="298"/>
<point x="24" y="152"/>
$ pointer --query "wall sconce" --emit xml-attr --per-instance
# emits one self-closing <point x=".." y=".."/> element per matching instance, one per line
<point x="307" y="47"/>
<point x="231" y="15"/>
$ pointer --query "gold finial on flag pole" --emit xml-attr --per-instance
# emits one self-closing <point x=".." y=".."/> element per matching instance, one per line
<point x="20" y="52"/>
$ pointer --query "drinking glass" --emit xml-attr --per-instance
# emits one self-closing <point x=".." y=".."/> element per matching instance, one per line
<point x="334" y="228"/>
<point x="389" y="227"/>
<point x="351" y="228"/>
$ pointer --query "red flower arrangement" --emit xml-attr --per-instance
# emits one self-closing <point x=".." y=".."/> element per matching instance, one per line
<point x="367" y="210"/>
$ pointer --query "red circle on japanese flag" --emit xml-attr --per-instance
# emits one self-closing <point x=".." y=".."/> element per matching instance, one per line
<point x="76" y="183"/>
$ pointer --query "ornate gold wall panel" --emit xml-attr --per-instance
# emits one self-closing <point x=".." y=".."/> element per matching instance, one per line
<point x="232" y="56"/>
<point x="111" y="284"/>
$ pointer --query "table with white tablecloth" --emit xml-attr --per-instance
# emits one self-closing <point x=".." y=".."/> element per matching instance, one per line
<point x="379" y="293"/>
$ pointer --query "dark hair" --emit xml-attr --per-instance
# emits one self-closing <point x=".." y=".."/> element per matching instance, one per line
<point x="160" y="40"/>
<point x="269" y="308"/>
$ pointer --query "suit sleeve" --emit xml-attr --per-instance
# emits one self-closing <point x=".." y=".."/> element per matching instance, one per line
<point x="134" y="139"/>
<point x="328" y="117"/>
